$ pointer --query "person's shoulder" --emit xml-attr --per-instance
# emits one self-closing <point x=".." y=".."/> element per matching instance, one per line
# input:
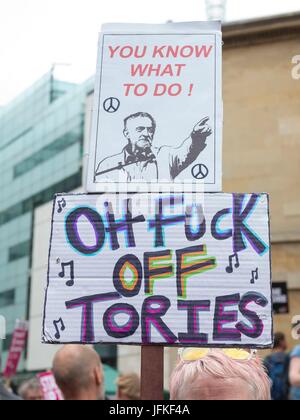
<point x="270" y="359"/>
<point x="296" y="352"/>
<point x="279" y="357"/>
<point x="6" y="395"/>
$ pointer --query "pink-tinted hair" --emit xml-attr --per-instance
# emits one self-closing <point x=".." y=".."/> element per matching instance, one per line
<point x="219" y="366"/>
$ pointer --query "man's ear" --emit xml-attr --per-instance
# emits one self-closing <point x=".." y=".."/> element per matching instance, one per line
<point x="98" y="374"/>
<point x="126" y="133"/>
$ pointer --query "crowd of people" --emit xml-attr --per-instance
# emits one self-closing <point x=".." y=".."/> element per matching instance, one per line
<point x="284" y="370"/>
<point x="200" y="374"/>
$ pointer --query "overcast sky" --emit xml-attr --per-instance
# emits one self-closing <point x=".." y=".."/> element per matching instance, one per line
<point x="34" y="34"/>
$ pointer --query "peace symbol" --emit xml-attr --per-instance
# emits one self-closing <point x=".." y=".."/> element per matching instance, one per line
<point x="111" y="105"/>
<point x="200" y="171"/>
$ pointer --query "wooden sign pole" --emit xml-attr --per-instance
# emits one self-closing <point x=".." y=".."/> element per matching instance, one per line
<point x="152" y="373"/>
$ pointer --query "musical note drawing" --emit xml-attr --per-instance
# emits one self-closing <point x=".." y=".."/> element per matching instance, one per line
<point x="62" y="274"/>
<point x="229" y="269"/>
<point x="62" y="327"/>
<point x="61" y="205"/>
<point x="254" y="276"/>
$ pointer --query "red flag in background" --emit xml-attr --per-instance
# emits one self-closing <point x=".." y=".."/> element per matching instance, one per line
<point x="49" y="387"/>
<point x="17" y="346"/>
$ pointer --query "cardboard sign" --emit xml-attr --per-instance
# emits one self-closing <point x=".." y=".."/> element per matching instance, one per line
<point x="280" y="298"/>
<point x="157" y="115"/>
<point x="50" y="390"/>
<point x="181" y="269"/>
<point x="16" y="348"/>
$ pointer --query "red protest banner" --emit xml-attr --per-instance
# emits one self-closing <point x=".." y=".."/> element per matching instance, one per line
<point x="16" y="348"/>
<point x="49" y="387"/>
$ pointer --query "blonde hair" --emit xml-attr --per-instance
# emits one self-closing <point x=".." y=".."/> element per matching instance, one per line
<point x="32" y="384"/>
<point x="218" y="366"/>
<point x="129" y="385"/>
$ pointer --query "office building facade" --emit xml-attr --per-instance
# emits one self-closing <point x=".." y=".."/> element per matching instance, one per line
<point x="41" y="144"/>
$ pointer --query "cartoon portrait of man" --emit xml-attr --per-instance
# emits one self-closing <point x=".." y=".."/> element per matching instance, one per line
<point x="141" y="160"/>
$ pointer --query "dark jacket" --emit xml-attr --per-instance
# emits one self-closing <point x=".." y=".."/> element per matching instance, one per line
<point x="6" y="395"/>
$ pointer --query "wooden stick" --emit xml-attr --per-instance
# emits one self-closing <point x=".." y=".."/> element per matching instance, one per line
<point x="152" y="373"/>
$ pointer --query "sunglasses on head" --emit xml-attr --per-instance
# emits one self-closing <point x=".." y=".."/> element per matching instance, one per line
<point x="194" y="354"/>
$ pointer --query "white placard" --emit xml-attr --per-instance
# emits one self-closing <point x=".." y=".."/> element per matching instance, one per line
<point x="157" y="116"/>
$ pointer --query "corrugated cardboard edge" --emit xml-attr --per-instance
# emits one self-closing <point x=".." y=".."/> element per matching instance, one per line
<point x="271" y="271"/>
<point x="44" y="333"/>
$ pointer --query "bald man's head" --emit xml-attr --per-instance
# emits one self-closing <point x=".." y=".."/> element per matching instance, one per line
<point x="78" y="373"/>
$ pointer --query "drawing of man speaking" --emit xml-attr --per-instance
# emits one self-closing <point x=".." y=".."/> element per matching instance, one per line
<point x="141" y="161"/>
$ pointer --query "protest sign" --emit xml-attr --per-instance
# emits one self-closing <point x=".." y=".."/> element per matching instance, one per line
<point x="157" y="116"/>
<point x="168" y="269"/>
<point x="50" y="390"/>
<point x="17" y="346"/>
<point x="280" y="298"/>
